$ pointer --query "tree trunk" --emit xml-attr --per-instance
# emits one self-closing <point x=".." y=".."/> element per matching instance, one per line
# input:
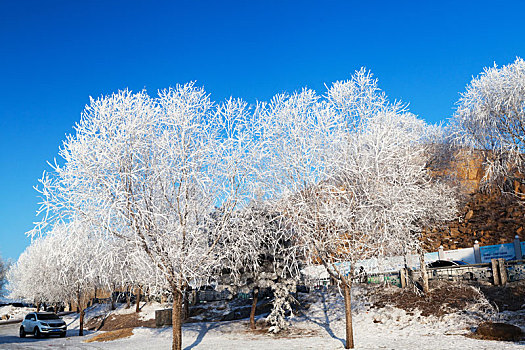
<point x="186" y="310"/>
<point x="38" y="307"/>
<point x="113" y="299"/>
<point x="81" y="320"/>
<point x="424" y="274"/>
<point x="81" y="327"/>
<point x="347" y="289"/>
<point x="137" y="305"/>
<point x="128" y="297"/>
<point x="176" y="319"/>
<point x="254" y="307"/>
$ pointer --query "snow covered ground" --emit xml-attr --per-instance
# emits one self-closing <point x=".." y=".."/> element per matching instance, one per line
<point x="322" y="326"/>
<point x="14" y="313"/>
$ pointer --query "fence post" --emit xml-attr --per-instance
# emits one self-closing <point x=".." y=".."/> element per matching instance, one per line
<point x="502" y="271"/>
<point x="517" y="248"/>
<point x="441" y="253"/>
<point x="495" y="272"/>
<point x="477" y="252"/>
<point x="402" y="277"/>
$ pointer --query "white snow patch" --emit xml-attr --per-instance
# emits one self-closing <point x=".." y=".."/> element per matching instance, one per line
<point x="15" y="313"/>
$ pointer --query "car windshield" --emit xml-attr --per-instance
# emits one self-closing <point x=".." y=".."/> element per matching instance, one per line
<point x="48" y="317"/>
<point x="442" y="263"/>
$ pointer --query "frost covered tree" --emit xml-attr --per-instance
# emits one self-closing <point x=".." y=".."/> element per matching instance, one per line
<point x="4" y="267"/>
<point x="260" y="254"/>
<point x="62" y="266"/>
<point x="28" y="276"/>
<point x="79" y="260"/>
<point x="490" y="119"/>
<point x="150" y="171"/>
<point x="352" y="177"/>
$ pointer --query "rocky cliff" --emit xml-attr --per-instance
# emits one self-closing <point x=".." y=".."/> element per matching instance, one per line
<point x="486" y="215"/>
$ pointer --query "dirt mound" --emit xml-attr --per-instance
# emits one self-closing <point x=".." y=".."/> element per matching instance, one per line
<point x="290" y="333"/>
<point x="498" y="331"/>
<point x="508" y="298"/>
<point x="94" y="323"/>
<point x="121" y="321"/>
<point x="111" y="335"/>
<point x="442" y="299"/>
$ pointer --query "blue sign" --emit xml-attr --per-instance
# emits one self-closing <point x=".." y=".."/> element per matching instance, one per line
<point x="505" y="251"/>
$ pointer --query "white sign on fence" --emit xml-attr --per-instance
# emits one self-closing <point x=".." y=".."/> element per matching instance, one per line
<point x="505" y="251"/>
<point x="396" y="263"/>
<point x="430" y="257"/>
<point x="465" y="254"/>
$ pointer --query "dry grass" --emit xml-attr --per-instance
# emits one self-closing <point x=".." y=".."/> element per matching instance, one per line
<point x="111" y="335"/>
<point x="115" y="322"/>
<point x="290" y="333"/>
<point x="443" y="298"/>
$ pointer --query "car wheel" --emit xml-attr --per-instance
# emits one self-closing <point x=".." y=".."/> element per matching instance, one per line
<point x="37" y="333"/>
<point x="22" y="332"/>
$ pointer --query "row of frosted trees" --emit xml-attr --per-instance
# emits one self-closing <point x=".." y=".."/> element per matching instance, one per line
<point x="175" y="191"/>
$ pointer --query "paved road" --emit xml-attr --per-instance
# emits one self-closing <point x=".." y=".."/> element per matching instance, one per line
<point x="9" y="339"/>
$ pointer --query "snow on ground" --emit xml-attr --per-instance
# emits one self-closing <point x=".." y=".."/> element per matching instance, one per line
<point x="147" y="312"/>
<point x="321" y="326"/>
<point x="15" y="313"/>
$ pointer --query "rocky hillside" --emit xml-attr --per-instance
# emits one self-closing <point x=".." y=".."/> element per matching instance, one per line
<point x="489" y="217"/>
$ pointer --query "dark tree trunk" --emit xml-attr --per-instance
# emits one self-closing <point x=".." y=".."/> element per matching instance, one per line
<point x="128" y="297"/>
<point x="113" y="299"/>
<point x="176" y="318"/>
<point x="81" y="320"/>
<point x="147" y="296"/>
<point x="254" y="307"/>
<point x="347" y="289"/>
<point x="38" y="307"/>
<point x="137" y="305"/>
<point x="186" y="304"/>
<point x="81" y="327"/>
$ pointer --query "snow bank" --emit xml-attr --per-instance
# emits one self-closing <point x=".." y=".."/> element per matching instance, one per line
<point x="15" y="313"/>
<point x="320" y="326"/>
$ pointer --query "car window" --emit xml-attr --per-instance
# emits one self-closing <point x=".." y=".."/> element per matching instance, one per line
<point x="31" y="317"/>
<point x="441" y="263"/>
<point x="28" y="317"/>
<point x="47" y="317"/>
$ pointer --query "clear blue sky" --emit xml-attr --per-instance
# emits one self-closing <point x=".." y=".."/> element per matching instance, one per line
<point x="55" y="54"/>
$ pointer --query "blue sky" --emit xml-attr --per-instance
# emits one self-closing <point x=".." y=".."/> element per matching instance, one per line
<point x="55" y="54"/>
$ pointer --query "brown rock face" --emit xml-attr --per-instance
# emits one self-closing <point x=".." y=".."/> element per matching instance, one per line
<point x="488" y="215"/>
<point x="493" y="218"/>
<point x="499" y="331"/>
